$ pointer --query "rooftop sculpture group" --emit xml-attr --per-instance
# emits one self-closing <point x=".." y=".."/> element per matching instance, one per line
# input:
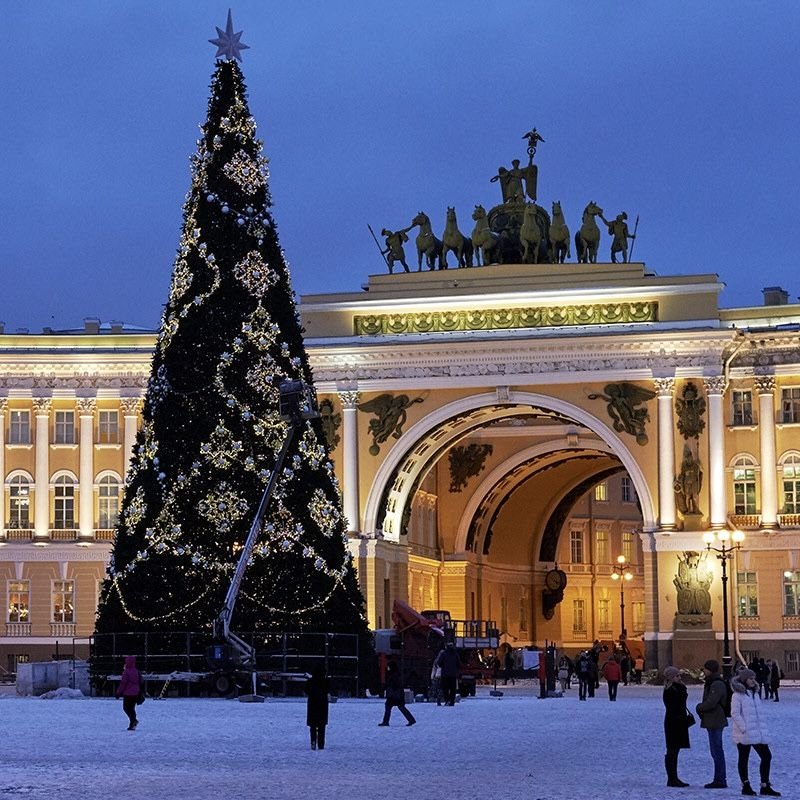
<point x="517" y="231"/>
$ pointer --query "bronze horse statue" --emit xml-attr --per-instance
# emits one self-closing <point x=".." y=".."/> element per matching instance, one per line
<point x="484" y="239"/>
<point x="455" y="241"/>
<point x="530" y="235"/>
<point x="427" y="244"/>
<point x="587" y="239"/>
<point x="559" y="235"/>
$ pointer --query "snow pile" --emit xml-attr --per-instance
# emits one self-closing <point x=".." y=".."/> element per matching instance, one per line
<point x="64" y="693"/>
<point x="515" y="746"/>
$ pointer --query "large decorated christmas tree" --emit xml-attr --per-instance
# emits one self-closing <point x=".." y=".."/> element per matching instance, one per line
<point x="211" y="427"/>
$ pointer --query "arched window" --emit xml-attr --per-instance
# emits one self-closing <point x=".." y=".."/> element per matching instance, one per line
<point x="64" y="502"/>
<point x="20" y="502"/>
<point x="109" y="492"/>
<point x="791" y="484"/>
<point x="744" y="485"/>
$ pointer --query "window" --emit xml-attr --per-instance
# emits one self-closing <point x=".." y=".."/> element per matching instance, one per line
<point x="749" y="656"/>
<point x="744" y="486"/>
<point x="638" y="615"/>
<point x="601" y="492"/>
<point x="747" y="589"/>
<point x="576" y="547"/>
<point x="791" y="485"/>
<point x="742" y="407"/>
<point x="108" y="427"/>
<point x="19" y="601"/>
<point x="603" y="615"/>
<point x="65" y="427"/>
<point x="628" y="493"/>
<point x="791" y="594"/>
<point x="108" y="501"/>
<point x="64" y="503"/>
<point x="790" y="405"/>
<point x="792" y="660"/>
<point x="19" y="502"/>
<point x="627" y="546"/>
<point x="63" y="595"/>
<point x="601" y="542"/>
<point x="579" y="616"/>
<point x="20" y="429"/>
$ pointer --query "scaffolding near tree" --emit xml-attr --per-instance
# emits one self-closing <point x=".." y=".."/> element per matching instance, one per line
<point x="211" y="425"/>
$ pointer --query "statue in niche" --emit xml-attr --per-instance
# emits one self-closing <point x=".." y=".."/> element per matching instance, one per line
<point x="622" y="399"/>
<point x="331" y="422"/>
<point x="391" y="415"/>
<point x="690" y="408"/>
<point x="466" y="462"/>
<point x="693" y="582"/>
<point x="688" y="484"/>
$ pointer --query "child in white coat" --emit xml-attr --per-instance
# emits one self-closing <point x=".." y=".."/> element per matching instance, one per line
<point x="750" y="730"/>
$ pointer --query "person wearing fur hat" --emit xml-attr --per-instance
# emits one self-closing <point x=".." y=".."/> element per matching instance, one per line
<point x="749" y="729"/>
<point x="676" y="725"/>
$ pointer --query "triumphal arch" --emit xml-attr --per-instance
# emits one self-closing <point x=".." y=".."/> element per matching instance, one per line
<point x="492" y="427"/>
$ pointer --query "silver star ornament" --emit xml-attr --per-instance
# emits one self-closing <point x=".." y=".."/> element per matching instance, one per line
<point x="228" y="43"/>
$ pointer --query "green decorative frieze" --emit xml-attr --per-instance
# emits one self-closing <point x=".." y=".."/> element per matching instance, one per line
<point x="506" y="318"/>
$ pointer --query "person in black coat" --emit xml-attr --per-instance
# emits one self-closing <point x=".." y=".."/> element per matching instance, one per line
<point x="395" y="695"/>
<point x="450" y="663"/>
<point x="317" y="689"/>
<point x="676" y="725"/>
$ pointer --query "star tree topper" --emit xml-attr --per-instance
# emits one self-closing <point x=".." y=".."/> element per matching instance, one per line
<point x="228" y="43"/>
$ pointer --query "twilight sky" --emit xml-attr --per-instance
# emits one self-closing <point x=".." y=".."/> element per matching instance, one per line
<point x="684" y="113"/>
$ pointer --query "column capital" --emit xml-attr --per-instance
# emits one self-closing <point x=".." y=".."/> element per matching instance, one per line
<point x="86" y="406"/>
<point x="664" y="386"/>
<point x="349" y="399"/>
<point x="715" y="384"/>
<point x="3" y="405"/>
<point x="765" y="384"/>
<point x="43" y="406"/>
<point x="131" y="406"/>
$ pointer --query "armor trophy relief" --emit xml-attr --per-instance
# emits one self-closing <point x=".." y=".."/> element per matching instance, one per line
<point x="515" y="231"/>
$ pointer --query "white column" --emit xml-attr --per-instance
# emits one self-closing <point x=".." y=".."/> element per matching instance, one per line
<point x="350" y="498"/>
<point x="666" y="454"/>
<point x="41" y="512"/>
<point x="3" y="407"/>
<point x="86" y="408"/>
<point x="130" y="410"/>
<point x="765" y="386"/>
<point x="718" y="511"/>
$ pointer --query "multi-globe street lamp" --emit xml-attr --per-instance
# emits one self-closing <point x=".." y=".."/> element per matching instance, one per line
<point x="729" y="543"/>
<point x="621" y="573"/>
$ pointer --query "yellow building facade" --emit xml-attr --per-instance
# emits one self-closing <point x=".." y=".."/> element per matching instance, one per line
<point x="487" y="425"/>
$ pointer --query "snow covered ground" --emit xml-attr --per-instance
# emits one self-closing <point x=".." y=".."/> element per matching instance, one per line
<point x="514" y="747"/>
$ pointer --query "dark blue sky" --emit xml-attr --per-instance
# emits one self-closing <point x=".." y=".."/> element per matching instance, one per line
<point x="685" y="113"/>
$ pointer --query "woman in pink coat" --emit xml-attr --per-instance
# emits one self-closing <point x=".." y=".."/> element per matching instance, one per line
<point x="129" y="689"/>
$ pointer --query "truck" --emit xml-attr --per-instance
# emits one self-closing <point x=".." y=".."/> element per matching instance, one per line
<point x="417" y="638"/>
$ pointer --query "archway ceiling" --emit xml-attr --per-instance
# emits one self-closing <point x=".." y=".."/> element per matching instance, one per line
<point x="427" y="451"/>
<point x="519" y="506"/>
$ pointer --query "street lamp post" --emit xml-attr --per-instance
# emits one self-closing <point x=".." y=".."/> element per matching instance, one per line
<point x="621" y="573"/>
<point x="725" y="551"/>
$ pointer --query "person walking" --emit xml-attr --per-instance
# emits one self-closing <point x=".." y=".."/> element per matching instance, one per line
<point x="395" y="696"/>
<point x="563" y="673"/>
<point x="749" y="729"/>
<point x="451" y="665"/>
<point x="676" y="723"/>
<point x="613" y="674"/>
<point x="775" y="676"/>
<point x="317" y="690"/>
<point x="435" y="691"/>
<point x="508" y="664"/>
<point x="711" y="710"/>
<point x="130" y="689"/>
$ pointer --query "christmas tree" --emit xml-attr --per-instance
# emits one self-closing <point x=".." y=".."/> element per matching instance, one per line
<point x="211" y="427"/>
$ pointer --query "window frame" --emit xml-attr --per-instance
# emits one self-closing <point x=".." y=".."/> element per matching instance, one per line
<point x="742" y="408"/>
<point x="23" y="587"/>
<point x="64" y="503"/>
<point x="63" y="426"/>
<point x="59" y="590"/>
<point x="16" y="427"/>
<point x="747" y="594"/>
<point x="790" y="404"/>
<point x="106" y="432"/>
